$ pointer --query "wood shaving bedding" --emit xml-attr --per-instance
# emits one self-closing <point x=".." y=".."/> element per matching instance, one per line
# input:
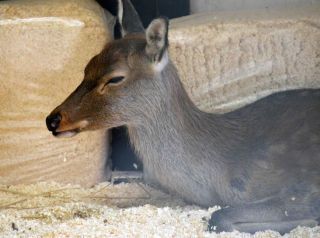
<point x="106" y="210"/>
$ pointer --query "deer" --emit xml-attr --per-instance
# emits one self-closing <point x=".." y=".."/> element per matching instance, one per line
<point x="260" y="162"/>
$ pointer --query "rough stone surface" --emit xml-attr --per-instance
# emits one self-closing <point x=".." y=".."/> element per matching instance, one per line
<point x="226" y="5"/>
<point x="44" y="47"/>
<point x="229" y="59"/>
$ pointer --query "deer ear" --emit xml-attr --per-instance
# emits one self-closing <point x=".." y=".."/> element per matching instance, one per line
<point x="128" y="18"/>
<point x="110" y="19"/>
<point x="157" y="40"/>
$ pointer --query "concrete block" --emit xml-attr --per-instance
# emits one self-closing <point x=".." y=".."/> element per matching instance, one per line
<point x="197" y="6"/>
<point x="44" y="47"/>
<point x="229" y="59"/>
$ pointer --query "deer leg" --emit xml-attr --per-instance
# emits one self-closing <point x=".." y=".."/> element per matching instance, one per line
<point x="271" y="214"/>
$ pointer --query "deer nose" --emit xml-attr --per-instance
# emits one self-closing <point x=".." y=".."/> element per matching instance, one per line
<point x="53" y="121"/>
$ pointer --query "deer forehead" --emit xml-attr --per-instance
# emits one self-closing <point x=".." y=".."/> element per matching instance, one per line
<point x="120" y="57"/>
<point x="105" y="63"/>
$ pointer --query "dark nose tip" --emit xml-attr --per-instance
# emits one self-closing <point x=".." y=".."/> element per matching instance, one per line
<point x="53" y="121"/>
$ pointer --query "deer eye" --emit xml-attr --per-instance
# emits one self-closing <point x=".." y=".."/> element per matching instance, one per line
<point x="102" y="88"/>
<point x="115" y="80"/>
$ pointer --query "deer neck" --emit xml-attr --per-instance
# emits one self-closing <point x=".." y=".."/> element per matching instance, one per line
<point x="175" y="126"/>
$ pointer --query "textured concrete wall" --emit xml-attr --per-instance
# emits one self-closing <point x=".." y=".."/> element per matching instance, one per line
<point x="229" y="59"/>
<point x="197" y="6"/>
<point x="44" y="47"/>
<point x="225" y="60"/>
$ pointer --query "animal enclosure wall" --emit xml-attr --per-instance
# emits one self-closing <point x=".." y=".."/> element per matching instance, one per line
<point x="197" y="6"/>
<point x="229" y="59"/>
<point x="44" y="47"/>
<point x="225" y="60"/>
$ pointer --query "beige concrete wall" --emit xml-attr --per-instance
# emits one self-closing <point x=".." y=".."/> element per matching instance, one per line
<point x="229" y="59"/>
<point x="197" y="6"/>
<point x="225" y="60"/>
<point x="44" y="47"/>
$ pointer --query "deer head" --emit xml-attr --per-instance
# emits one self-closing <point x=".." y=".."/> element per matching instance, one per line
<point x="120" y="83"/>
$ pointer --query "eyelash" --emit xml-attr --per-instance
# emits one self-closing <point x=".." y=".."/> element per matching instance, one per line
<point x="115" y="80"/>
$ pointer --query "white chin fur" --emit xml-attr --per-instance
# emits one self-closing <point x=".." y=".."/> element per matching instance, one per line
<point x="66" y="134"/>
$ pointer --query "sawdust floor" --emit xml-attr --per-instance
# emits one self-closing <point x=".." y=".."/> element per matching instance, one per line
<point x="124" y="210"/>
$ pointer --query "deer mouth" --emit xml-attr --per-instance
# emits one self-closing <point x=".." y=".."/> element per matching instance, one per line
<point x="66" y="131"/>
<point x="66" y="134"/>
